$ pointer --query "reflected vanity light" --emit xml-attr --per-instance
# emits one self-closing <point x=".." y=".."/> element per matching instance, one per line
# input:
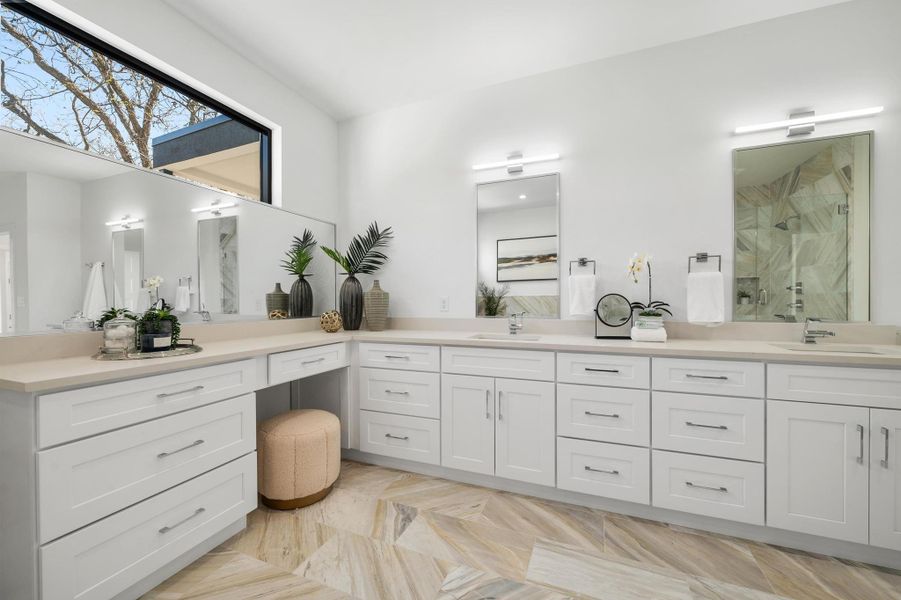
<point x="214" y="208"/>
<point x="516" y="160"/>
<point x="809" y="119"/>
<point x="125" y="222"/>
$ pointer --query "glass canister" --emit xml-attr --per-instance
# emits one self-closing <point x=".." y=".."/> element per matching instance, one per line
<point x="119" y="336"/>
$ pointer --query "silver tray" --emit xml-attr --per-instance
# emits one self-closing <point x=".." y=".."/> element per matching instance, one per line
<point x="177" y="351"/>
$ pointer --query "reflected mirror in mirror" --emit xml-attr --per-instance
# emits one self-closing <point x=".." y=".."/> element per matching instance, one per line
<point x="217" y="264"/>
<point x="614" y="310"/>
<point x="518" y="242"/>
<point x="802" y="230"/>
<point x="63" y="209"/>
<point x="128" y="267"/>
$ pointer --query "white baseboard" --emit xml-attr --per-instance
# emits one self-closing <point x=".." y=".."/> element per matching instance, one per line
<point x="768" y="535"/>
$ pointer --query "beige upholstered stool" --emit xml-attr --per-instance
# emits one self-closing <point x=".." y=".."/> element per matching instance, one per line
<point x="299" y="455"/>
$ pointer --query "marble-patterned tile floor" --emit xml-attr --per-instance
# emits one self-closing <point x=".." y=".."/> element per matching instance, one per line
<point x="384" y="534"/>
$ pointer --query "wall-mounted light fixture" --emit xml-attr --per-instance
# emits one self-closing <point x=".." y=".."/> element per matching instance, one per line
<point x="125" y="222"/>
<point x="515" y="161"/>
<point x="800" y="123"/>
<point x="214" y="208"/>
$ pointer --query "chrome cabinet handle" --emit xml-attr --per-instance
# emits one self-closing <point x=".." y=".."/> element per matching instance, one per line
<point x="601" y="370"/>
<point x="500" y="406"/>
<point x="487" y="403"/>
<point x="884" y="461"/>
<point x="607" y="471"/>
<point x="196" y="388"/>
<point x="397" y="356"/>
<point x="707" y="487"/>
<point x="395" y="437"/>
<point x="860" y="452"/>
<point x="193" y="444"/>
<point x="690" y="424"/>
<point x="608" y="415"/>
<point x="169" y="528"/>
<point x="314" y="361"/>
<point x="398" y="393"/>
<point x="716" y="377"/>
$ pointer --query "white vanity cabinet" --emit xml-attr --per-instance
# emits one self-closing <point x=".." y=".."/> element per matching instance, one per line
<point x="885" y="478"/>
<point x="468" y="407"/>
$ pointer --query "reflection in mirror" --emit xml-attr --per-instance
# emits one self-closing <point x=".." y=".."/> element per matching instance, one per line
<point x="217" y="260"/>
<point x="802" y="230"/>
<point x="614" y="310"/>
<point x="61" y="209"/>
<point x="517" y="247"/>
<point x="128" y="267"/>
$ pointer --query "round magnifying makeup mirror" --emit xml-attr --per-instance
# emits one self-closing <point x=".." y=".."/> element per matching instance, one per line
<point x="614" y="310"/>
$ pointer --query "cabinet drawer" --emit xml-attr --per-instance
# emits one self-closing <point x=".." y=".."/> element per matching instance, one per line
<point x="602" y="369"/>
<point x="402" y="392"/>
<point x="297" y="364"/>
<point x="400" y="356"/>
<point x="498" y="362"/>
<point x="723" y="377"/>
<point x="713" y="487"/>
<point x="604" y="414"/>
<point x="103" y="559"/>
<point x="66" y="416"/>
<point x="412" y="438"/>
<point x="879" y="388"/>
<point x="609" y="470"/>
<point x="88" y="480"/>
<point x="714" y="425"/>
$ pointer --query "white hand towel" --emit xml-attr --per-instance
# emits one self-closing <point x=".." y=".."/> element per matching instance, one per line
<point x="648" y="335"/>
<point x="706" y="299"/>
<point x="582" y="294"/>
<point x="182" y="298"/>
<point x="95" y="293"/>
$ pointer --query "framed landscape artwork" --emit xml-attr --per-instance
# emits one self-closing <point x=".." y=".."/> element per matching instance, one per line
<point x="527" y="259"/>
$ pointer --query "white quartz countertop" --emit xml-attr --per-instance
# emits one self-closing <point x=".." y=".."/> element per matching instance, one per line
<point x="58" y="373"/>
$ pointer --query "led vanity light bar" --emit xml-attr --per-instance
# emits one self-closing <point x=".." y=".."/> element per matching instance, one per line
<point x="810" y="119"/>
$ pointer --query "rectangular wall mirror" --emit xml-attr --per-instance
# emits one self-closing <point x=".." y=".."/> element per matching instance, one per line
<point x="518" y="244"/>
<point x="217" y="264"/>
<point x="802" y="230"/>
<point x="128" y="267"/>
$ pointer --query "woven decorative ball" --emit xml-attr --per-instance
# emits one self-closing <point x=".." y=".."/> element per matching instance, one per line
<point x="278" y="314"/>
<point x="330" y="321"/>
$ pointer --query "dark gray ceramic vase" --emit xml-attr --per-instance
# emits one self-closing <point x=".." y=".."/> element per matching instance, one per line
<point x="351" y="303"/>
<point x="300" y="300"/>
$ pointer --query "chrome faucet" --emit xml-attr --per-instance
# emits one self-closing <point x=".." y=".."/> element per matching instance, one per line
<point x="515" y="322"/>
<point x="809" y="336"/>
<point x="204" y="314"/>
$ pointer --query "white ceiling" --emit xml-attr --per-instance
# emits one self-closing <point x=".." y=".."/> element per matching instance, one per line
<point x="23" y="153"/>
<point x="353" y="57"/>
<point x="508" y="194"/>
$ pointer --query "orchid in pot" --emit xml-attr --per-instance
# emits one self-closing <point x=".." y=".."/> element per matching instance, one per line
<point x="650" y="315"/>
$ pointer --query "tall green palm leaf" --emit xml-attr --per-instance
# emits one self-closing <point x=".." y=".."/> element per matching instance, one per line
<point x="299" y="257"/>
<point x="364" y="254"/>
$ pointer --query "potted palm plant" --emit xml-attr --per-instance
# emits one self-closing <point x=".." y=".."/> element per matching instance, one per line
<point x="364" y="256"/>
<point x="492" y="299"/>
<point x="296" y="261"/>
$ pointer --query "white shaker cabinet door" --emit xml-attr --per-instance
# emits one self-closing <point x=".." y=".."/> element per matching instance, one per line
<point x="885" y="478"/>
<point x="467" y="423"/>
<point x="817" y="469"/>
<point x="526" y="443"/>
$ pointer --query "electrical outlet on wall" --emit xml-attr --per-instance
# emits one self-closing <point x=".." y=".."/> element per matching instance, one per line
<point x="444" y="304"/>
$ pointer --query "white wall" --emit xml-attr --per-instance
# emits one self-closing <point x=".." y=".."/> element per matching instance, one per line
<point x="14" y="220"/>
<point x="646" y="153"/>
<point x="307" y="135"/>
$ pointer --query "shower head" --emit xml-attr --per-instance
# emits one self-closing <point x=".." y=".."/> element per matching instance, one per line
<point x="783" y="225"/>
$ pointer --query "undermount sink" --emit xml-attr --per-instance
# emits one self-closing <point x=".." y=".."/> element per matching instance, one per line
<point x="522" y="337"/>
<point x="847" y="348"/>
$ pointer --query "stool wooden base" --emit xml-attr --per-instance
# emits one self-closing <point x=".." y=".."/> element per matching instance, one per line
<point x="296" y="502"/>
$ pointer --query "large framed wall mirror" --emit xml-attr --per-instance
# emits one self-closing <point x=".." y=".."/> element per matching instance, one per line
<point x="802" y="230"/>
<point x="518" y="244"/>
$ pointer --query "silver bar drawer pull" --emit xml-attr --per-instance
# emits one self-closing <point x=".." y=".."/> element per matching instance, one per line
<point x="169" y="528"/>
<point x="608" y="415"/>
<point x="607" y="471"/>
<point x="690" y="424"/>
<point x="487" y="404"/>
<point x="397" y="437"/>
<point x="397" y="356"/>
<point x="707" y="487"/>
<point x="196" y="388"/>
<point x="716" y="377"/>
<point x="398" y="393"/>
<point x="884" y="461"/>
<point x="860" y="452"/>
<point x="193" y="444"/>
<point x="594" y="370"/>
<point x="314" y="361"/>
